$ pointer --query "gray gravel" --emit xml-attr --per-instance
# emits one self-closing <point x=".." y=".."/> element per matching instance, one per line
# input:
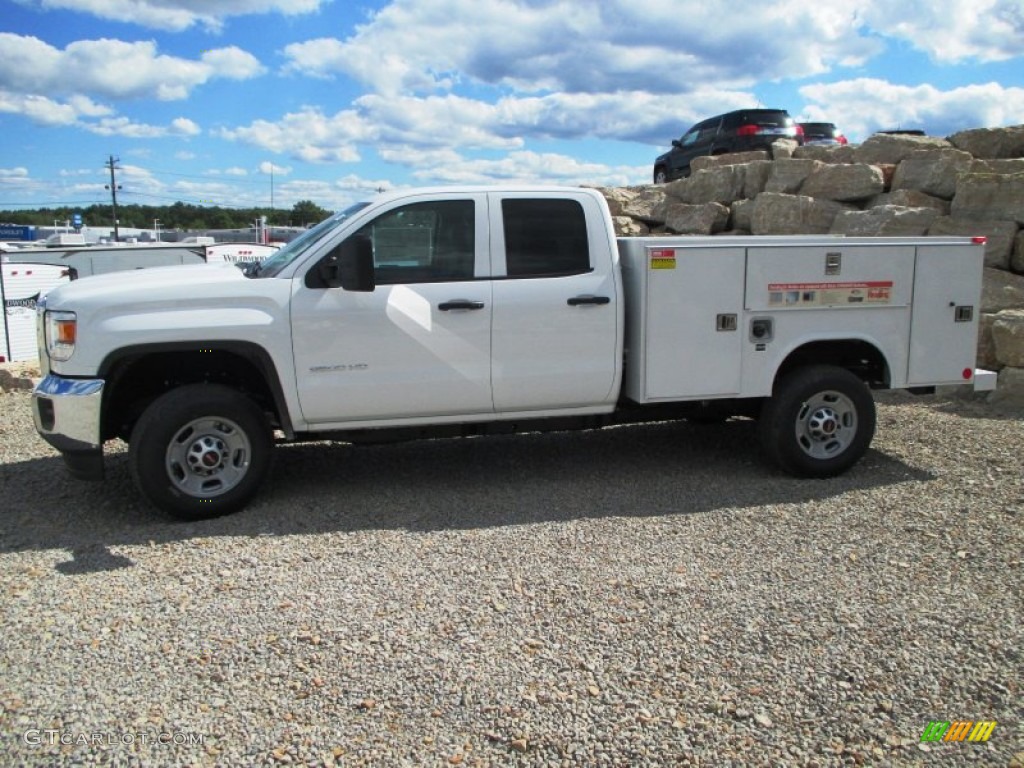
<point x="630" y="597"/>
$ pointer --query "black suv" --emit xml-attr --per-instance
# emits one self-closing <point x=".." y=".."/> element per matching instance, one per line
<point x="739" y="131"/>
<point x="822" y="134"/>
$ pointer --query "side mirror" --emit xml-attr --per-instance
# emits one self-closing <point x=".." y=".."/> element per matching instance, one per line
<point x="349" y="266"/>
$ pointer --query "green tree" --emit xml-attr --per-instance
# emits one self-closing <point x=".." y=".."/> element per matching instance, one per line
<point x="306" y="212"/>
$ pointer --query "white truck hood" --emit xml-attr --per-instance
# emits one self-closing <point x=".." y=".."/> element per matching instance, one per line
<point x="199" y="303"/>
<point x="152" y="284"/>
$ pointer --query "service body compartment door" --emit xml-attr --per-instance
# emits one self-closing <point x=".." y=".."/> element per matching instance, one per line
<point x="843" y="275"/>
<point x="947" y="304"/>
<point x="684" y="320"/>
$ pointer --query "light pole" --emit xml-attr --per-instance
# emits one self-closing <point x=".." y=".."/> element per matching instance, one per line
<point x="156" y="226"/>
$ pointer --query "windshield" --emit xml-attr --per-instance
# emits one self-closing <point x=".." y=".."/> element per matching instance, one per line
<point x="303" y="243"/>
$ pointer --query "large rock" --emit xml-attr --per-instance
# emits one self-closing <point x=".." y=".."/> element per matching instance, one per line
<point x="910" y="198"/>
<point x="685" y="219"/>
<point x="645" y="203"/>
<point x="1000" y="235"/>
<point x="986" y="357"/>
<point x="783" y="148"/>
<point x="884" y="221"/>
<point x="845" y="153"/>
<point x="1001" y="290"/>
<point x="757" y="175"/>
<point x="1017" y="257"/>
<point x="778" y="214"/>
<point x="990" y="196"/>
<point x="617" y="198"/>
<point x="733" y="158"/>
<point x="991" y="143"/>
<point x="933" y="171"/>
<point x="741" y="215"/>
<point x="886" y="148"/>
<point x="722" y="184"/>
<point x="626" y="226"/>
<point x="1008" y="335"/>
<point x="998" y="166"/>
<point x="844" y="183"/>
<point x="18" y="376"/>
<point x="1009" y="388"/>
<point x="787" y="176"/>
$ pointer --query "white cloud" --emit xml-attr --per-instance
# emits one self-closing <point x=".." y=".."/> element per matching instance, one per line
<point x="307" y="135"/>
<point x="267" y="167"/>
<point x="124" y="126"/>
<point x="953" y="30"/>
<point x="865" y="105"/>
<point x="176" y="15"/>
<point x="533" y="168"/>
<point x="38" y="109"/>
<point x="233" y="63"/>
<point x="14" y="173"/>
<point x="113" y="68"/>
<point x="665" y="46"/>
<point x="182" y="126"/>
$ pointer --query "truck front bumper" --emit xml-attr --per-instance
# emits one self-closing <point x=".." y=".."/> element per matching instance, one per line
<point x="67" y="416"/>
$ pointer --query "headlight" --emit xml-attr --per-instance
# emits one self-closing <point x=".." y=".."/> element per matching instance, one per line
<point x="61" y="330"/>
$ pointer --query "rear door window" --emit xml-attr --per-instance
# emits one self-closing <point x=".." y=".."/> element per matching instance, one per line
<point x="545" y="237"/>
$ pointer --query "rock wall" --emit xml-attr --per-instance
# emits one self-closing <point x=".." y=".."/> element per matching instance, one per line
<point x="971" y="183"/>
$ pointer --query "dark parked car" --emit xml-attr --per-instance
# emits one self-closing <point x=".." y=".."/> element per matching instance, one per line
<point x="822" y="134"/>
<point x="739" y="131"/>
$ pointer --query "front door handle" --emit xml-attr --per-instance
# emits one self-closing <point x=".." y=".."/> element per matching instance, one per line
<point x="447" y="306"/>
<point x="576" y="301"/>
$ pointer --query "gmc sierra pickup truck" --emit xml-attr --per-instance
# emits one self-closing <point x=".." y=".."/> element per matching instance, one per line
<point x="463" y="311"/>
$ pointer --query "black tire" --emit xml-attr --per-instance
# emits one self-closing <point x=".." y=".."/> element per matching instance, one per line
<point x="660" y="177"/>
<point x="200" y="451"/>
<point x="819" y="421"/>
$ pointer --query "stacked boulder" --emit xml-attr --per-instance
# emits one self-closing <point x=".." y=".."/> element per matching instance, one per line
<point x="971" y="183"/>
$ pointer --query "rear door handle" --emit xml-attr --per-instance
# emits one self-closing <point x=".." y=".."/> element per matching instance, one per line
<point x="447" y="306"/>
<point x="576" y="301"/>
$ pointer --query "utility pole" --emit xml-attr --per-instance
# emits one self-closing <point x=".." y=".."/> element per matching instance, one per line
<point x="113" y="187"/>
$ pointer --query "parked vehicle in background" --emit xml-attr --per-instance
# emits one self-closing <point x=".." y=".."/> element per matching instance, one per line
<point x="740" y="131"/>
<point x="822" y="134"/>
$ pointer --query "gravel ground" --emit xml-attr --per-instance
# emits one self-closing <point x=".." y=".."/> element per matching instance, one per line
<point x="635" y="596"/>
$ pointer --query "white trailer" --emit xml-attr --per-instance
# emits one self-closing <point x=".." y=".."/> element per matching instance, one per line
<point x="21" y="286"/>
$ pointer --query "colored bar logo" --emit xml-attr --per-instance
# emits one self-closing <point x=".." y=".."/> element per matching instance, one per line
<point x="958" y="730"/>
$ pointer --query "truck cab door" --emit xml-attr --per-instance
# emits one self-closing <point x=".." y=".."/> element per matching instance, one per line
<point x="557" y="313"/>
<point x="419" y="344"/>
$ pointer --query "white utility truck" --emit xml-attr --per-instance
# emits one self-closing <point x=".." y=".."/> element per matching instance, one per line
<point x="466" y="311"/>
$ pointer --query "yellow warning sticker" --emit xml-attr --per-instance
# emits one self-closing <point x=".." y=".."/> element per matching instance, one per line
<point x="663" y="258"/>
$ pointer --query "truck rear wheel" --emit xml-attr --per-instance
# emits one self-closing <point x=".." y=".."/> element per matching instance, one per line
<point x="200" y="451"/>
<point x="819" y="421"/>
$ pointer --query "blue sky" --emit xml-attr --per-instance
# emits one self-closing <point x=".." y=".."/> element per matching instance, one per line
<point x="228" y="101"/>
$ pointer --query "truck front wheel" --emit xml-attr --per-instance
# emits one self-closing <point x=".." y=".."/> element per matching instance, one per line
<point x="819" y="421"/>
<point x="200" y="451"/>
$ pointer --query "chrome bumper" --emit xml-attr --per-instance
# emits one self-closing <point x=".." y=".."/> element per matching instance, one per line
<point x="67" y="416"/>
